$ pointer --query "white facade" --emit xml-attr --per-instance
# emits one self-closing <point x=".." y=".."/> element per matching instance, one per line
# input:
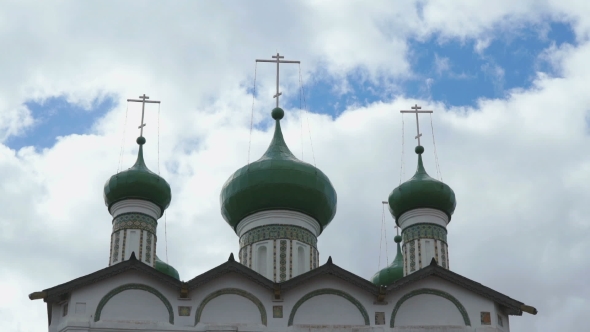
<point x="232" y="302"/>
<point x="424" y="232"/>
<point x="134" y="230"/>
<point x="279" y="244"/>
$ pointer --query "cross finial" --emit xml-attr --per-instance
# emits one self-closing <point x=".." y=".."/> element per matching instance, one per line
<point x="143" y="99"/>
<point x="396" y="229"/>
<point x="278" y="60"/>
<point x="415" y="109"/>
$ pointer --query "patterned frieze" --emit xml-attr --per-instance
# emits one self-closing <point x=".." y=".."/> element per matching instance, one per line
<point x="274" y="232"/>
<point x="135" y="221"/>
<point x="421" y="231"/>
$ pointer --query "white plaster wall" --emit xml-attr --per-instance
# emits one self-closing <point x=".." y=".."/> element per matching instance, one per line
<point x="230" y="309"/>
<point x="473" y="303"/>
<point x="320" y="311"/>
<point x="328" y="310"/>
<point x="133" y="305"/>
<point x="428" y="310"/>
<point x="418" y="216"/>
<point x="140" y="314"/>
<point x="278" y="217"/>
<point x="136" y="205"/>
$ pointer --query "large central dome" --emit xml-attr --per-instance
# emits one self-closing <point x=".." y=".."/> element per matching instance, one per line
<point x="278" y="181"/>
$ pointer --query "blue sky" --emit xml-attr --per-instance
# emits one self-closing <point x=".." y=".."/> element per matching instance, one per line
<point x="450" y="71"/>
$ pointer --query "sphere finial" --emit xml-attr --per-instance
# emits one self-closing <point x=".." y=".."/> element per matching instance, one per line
<point x="419" y="149"/>
<point x="140" y="140"/>
<point x="397" y="239"/>
<point x="277" y="113"/>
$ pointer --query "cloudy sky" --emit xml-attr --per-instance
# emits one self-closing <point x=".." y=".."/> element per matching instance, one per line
<point x="507" y="81"/>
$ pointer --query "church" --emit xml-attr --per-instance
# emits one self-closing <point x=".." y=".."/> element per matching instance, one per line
<point x="278" y="206"/>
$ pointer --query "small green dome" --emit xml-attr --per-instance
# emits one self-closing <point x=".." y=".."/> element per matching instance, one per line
<point x="421" y="191"/>
<point x="138" y="182"/>
<point x="167" y="269"/>
<point x="394" y="271"/>
<point x="278" y="181"/>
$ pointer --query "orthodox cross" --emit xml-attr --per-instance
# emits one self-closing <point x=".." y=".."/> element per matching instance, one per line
<point x="143" y="100"/>
<point x="278" y="60"/>
<point x="415" y="109"/>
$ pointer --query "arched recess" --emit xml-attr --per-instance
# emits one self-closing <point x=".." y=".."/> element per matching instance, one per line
<point x="431" y="291"/>
<point x="330" y="291"/>
<point x="142" y="287"/>
<point x="234" y="291"/>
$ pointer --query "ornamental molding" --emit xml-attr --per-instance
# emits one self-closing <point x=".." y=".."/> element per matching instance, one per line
<point x="278" y="217"/>
<point x="135" y="220"/>
<point x="423" y="215"/>
<point x="231" y="291"/>
<point x="424" y="231"/>
<point x="276" y="232"/>
<point x="136" y="205"/>
<point x="105" y="299"/>
<point x="329" y="291"/>
<point x="430" y="291"/>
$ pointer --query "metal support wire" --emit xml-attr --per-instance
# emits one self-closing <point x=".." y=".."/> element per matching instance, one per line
<point x="301" y="109"/>
<point x="438" y="172"/>
<point x="158" y="138"/>
<point x="307" y="119"/>
<point x="123" y="140"/>
<point x="252" y="114"/>
<point x="166" y="234"/>
<point x="402" y="170"/>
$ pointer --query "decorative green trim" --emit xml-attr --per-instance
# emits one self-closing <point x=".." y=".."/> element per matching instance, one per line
<point x="430" y="291"/>
<point x="275" y="232"/>
<point x="274" y="260"/>
<point x="148" y="249"/>
<point x="443" y="255"/>
<point x="140" y="245"/>
<point x="419" y="254"/>
<point x="116" y="254"/>
<point x="283" y="261"/>
<point x="421" y="231"/>
<point x="290" y="259"/>
<point x="329" y="291"/>
<point x="135" y="220"/>
<point x="234" y="291"/>
<point x="142" y="287"/>
<point x="412" y="256"/>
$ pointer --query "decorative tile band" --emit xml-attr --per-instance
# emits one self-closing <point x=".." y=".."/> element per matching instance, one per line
<point x="436" y="251"/>
<point x="111" y="250"/>
<point x="274" y="260"/>
<point x="234" y="291"/>
<point x="155" y="243"/>
<point x="412" y="256"/>
<point x="116" y="249"/>
<point x="431" y="291"/>
<point x="148" y="249"/>
<point x="290" y="259"/>
<point x="142" y="287"/>
<point x="283" y="261"/>
<point x="275" y="232"/>
<point x="124" y="242"/>
<point x="419" y="254"/>
<point x="329" y="291"/>
<point x="420" y="231"/>
<point x="140" y="245"/>
<point x="135" y="221"/>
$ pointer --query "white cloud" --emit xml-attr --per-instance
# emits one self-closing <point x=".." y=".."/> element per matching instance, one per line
<point x="516" y="164"/>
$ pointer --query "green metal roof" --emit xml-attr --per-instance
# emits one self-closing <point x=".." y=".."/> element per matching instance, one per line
<point x="392" y="272"/>
<point x="138" y="182"/>
<point x="165" y="268"/>
<point x="278" y="181"/>
<point x="421" y="191"/>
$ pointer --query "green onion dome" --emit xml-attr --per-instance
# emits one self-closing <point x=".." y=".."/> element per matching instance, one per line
<point x="421" y="191"/>
<point x="394" y="271"/>
<point x="278" y="181"/>
<point x="138" y="182"/>
<point x="167" y="269"/>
